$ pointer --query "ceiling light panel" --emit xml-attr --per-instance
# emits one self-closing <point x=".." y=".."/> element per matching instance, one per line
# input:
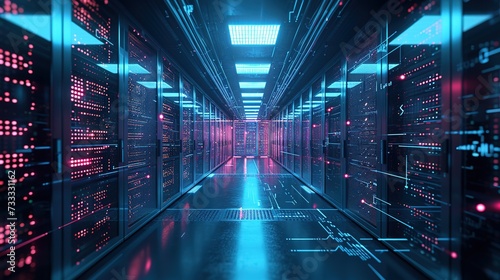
<point x="252" y="94"/>
<point x="253" y="101"/>
<point x="253" y="34"/>
<point x="252" y="68"/>
<point x="259" y="85"/>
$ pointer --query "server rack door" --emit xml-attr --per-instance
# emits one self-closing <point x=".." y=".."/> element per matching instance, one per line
<point x="206" y="135"/>
<point x="213" y="141"/>
<point x="217" y="137"/>
<point x="306" y="136"/>
<point x="187" y="104"/>
<point x="170" y="119"/>
<point x="317" y="135"/>
<point x="286" y="135"/>
<point x="291" y="139"/>
<point x="26" y="162"/>
<point x="297" y="149"/>
<point x="141" y="128"/>
<point x="363" y="78"/>
<point x="198" y="135"/>
<point x="335" y="87"/>
<point x="263" y="136"/>
<point x="415" y="159"/>
<point x="480" y="143"/>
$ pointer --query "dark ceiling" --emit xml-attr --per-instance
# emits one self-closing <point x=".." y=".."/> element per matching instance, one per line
<point x="199" y="42"/>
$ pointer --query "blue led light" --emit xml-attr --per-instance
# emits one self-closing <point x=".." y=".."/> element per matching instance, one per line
<point x="471" y="21"/>
<point x="251" y="94"/>
<point x="339" y="84"/>
<point x="259" y="85"/>
<point x="132" y="68"/>
<point x="253" y="68"/>
<point x="252" y="101"/>
<point x="36" y="24"/>
<point x="251" y="106"/>
<point x="253" y="34"/>
<point x="153" y="84"/>
<point x="426" y="30"/>
<point x="170" y="94"/>
<point x="369" y="68"/>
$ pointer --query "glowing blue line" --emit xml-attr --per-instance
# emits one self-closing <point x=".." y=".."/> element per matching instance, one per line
<point x="300" y="194"/>
<point x="195" y="189"/>
<point x="402" y="250"/>
<point x="321" y="213"/>
<point x="420" y="147"/>
<point x="491" y="111"/>
<point x="362" y="246"/>
<point x="307" y="190"/>
<point x="376" y="272"/>
<point x="389" y="215"/>
<point x="392" y="239"/>
<point x="389" y="174"/>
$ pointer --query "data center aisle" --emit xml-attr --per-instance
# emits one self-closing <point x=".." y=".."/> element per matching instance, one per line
<point x="252" y="220"/>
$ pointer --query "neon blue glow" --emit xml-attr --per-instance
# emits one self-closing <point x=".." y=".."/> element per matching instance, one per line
<point x="82" y="37"/>
<point x="132" y="68"/>
<point x="471" y="21"/>
<point x="170" y="95"/>
<point x="36" y="24"/>
<point x="253" y="68"/>
<point x="211" y="175"/>
<point x="137" y="69"/>
<point x="332" y="94"/>
<point x="153" y="84"/>
<point x="251" y="106"/>
<point x="369" y="68"/>
<point x="340" y="84"/>
<point x="253" y="34"/>
<point x="252" y="85"/>
<point x="251" y="94"/>
<point x="252" y="101"/>
<point x="426" y="30"/>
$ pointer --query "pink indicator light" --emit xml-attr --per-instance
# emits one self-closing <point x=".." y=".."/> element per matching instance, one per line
<point x="402" y="77"/>
<point x="348" y="123"/>
<point x="362" y="201"/>
<point x="161" y="117"/>
<point x="480" y="207"/>
<point x="346" y="175"/>
<point x="454" y="255"/>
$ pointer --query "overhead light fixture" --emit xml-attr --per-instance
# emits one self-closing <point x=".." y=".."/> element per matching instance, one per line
<point x="471" y="21"/>
<point x="252" y="68"/>
<point x="426" y="30"/>
<point x="252" y="101"/>
<point x="251" y="106"/>
<point x="172" y="94"/>
<point x="259" y="85"/>
<point x="252" y="94"/>
<point x="35" y="24"/>
<point x="253" y="34"/>
<point x="153" y="84"/>
<point x="369" y="68"/>
<point x="332" y="94"/>
<point x="340" y="84"/>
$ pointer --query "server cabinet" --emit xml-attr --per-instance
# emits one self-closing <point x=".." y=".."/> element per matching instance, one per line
<point x="335" y="86"/>
<point x="317" y="135"/>
<point x="263" y="138"/>
<point x="362" y="132"/>
<point x="297" y="147"/>
<point x="170" y="120"/>
<point x="306" y="136"/>
<point x="141" y="151"/>
<point x="417" y="151"/>
<point x="198" y="136"/>
<point x="206" y="135"/>
<point x="477" y="124"/>
<point x="212" y="137"/>
<point x="187" y="105"/>
<point x="27" y="163"/>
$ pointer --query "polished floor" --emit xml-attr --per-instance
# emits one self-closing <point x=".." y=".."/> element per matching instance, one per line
<point x="252" y="220"/>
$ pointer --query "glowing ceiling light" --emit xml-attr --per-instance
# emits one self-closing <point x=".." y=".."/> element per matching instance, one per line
<point x="339" y="84"/>
<point x="251" y="94"/>
<point x="259" y="85"/>
<point x="252" y="101"/>
<point x="253" y="34"/>
<point x="252" y="68"/>
<point x="153" y="84"/>
<point x="369" y="68"/>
